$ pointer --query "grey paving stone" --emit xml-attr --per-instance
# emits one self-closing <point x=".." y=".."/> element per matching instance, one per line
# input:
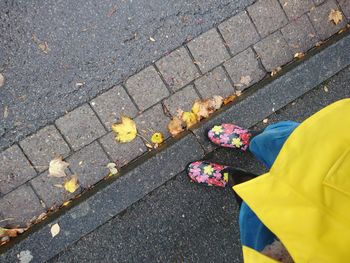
<point x="151" y="121"/>
<point x="296" y="8"/>
<point x="214" y="83"/>
<point x="89" y="164"/>
<point x="267" y="16"/>
<point x="43" y="146"/>
<point x="112" y="104"/>
<point x="318" y="2"/>
<point x="50" y="194"/>
<point x="122" y="153"/>
<point x="242" y="65"/>
<point x="146" y="88"/>
<point x="319" y="18"/>
<point x="300" y="34"/>
<point x="15" y="169"/>
<point x="20" y="206"/>
<point x="80" y="127"/>
<point x="239" y="32"/>
<point x="273" y="51"/>
<point x="182" y="99"/>
<point x="208" y="50"/>
<point x="345" y="6"/>
<point x="177" y="68"/>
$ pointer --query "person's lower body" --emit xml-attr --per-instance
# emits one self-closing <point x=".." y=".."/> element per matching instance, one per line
<point x="265" y="146"/>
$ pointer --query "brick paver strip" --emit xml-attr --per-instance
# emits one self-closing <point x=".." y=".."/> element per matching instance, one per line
<point x="122" y="153"/>
<point x="242" y="65"/>
<point x="239" y="32"/>
<point x="147" y="88"/>
<point x="89" y="164"/>
<point x="151" y="121"/>
<point x="14" y="169"/>
<point x="182" y="99"/>
<point x="273" y="51"/>
<point x="345" y="6"/>
<point x="177" y="68"/>
<point x="267" y="16"/>
<point x="214" y="83"/>
<point x="208" y="50"/>
<point x="43" y="146"/>
<point x="319" y="18"/>
<point x="52" y="196"/>
<point x="113" y="103"/>
<point x="296" y="8"/>
<point x="20" y="206"/>
<point x="300" y="34"/>
<point x="80" y="127"/>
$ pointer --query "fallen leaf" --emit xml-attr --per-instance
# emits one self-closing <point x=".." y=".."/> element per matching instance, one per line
<point x="57" y="167"/>
<point x="66" y="203"/>
<point x="245" y="80"/>
<point x="217" y="102"/>
<point x="157" y="138"/>
<point x="299" y="55"/>
<point x="325" y="88"/>
<point x="55" y="230"/>
<point x="275" y="71"/>
<point x="125" y="131"/>
<point x="4" y="232"/>
<point x="44" y="47"/>
<point x="112" y="168"/>
<point x="175" y="126"/>
<point x="71" y="185"/>
<point x="202" y="109"/>
<point x="152" y="39"/>
<point x="189" y="118"/>
<point x="335" y="16"/>
<point x="79" y="84"/>
<point x="2" y="80"/>
<point x="265" y="120"/>
<point x="149" y="146"/>
<point x="229" y="99"/>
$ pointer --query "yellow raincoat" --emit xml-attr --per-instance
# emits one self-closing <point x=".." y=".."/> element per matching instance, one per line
<point x="305" y="198"/>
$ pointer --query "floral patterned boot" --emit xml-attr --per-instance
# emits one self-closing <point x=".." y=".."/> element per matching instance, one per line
<point x="230" y="135"/>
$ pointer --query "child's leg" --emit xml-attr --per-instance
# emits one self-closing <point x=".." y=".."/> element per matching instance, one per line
<point x="265" y="147"/>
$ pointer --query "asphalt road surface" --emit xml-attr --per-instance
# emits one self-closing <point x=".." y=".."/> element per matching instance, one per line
<point x="91" y="46"/>
<point x="184" y="222"/>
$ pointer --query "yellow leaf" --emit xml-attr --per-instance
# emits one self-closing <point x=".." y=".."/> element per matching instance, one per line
<point x="175" y="126"/>
<point x="157" y="138"/>
<point x="72" y="184"/>
<point x="189" y="118"/>
<point x="66" y="203"/>
<point x="112" y="168"/>
<point x="57" y="167"/>
<point x="55" y="229"/>
<point x="203" y="108"/>
<point x="335" y="16"/>
<point x="125" y="131"/>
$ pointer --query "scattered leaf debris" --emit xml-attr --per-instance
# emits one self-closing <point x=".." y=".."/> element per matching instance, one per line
<point x="57" y="167"/>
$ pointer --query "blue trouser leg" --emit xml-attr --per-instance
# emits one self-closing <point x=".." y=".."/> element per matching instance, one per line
<point x="265" y="148"/>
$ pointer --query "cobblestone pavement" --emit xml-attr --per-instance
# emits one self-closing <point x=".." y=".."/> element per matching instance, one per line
<point x="252" y="43"/>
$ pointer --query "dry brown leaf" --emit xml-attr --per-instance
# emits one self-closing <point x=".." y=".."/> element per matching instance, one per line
<point x="175" y="126"/>
<point x="57" y="167"/>
<point x="217" y="102"/>
<point x="203" y="108"/>
<point x="2" y="80"/>
<point x="245" y="80"/>
<point x="229" y="99"/>
<point x="299" y="55"/>
<point x="72" y="184"/>
<point x="55" y="230"/>
<point x="335" y="16"/>
<point x="4" y="232"/>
